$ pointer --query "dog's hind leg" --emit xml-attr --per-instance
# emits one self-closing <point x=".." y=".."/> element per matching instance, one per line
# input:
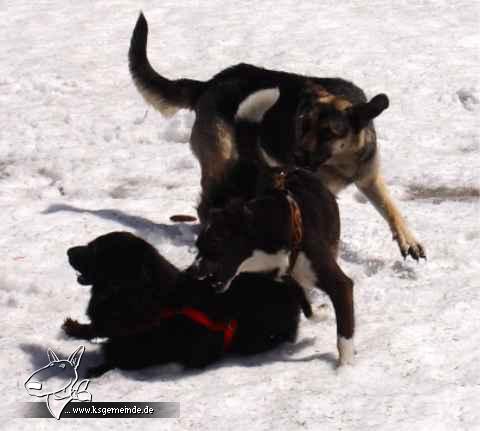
<point x="212" y="143"/>
<point x="301" y="296"/>
<point x="339" y="288"/>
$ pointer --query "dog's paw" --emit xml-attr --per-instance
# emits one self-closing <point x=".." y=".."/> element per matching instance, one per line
<point x="409" y="246"/>
<point x="346" y="351"/>
<point x="69" y="326"/>
<point x="75" y="329"/>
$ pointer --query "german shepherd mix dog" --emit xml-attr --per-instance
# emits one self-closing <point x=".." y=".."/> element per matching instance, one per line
<point x="289" y="227"/>
<point x="323" y="124"/>
<point x="152" y="313"/>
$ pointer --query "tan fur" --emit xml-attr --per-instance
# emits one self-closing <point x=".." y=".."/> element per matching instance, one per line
<point x="375" y="189"/>
<point x="225" y="140"/>
<point x="325" y="97"/>
<point x="159" y="103"/>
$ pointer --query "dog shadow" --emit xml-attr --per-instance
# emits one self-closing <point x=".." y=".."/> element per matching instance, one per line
<point x="372" y="266"/>
<point x="172" y="371"/>
<point x="38" y="356"/>
<point x="179" y="234"/>
<point x="284" y="353"/>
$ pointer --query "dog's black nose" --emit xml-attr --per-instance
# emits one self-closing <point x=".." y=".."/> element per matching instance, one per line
<point x="73" y="252"/>
<point x="77" y="256"/>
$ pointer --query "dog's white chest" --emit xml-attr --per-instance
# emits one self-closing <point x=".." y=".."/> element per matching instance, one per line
<point x="260" y="261"/>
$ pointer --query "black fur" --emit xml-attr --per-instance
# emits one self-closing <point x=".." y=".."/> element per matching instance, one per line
<point x="131" y="283"/>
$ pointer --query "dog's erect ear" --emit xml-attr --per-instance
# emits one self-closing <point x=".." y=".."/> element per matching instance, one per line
<point x="362" y="113"/>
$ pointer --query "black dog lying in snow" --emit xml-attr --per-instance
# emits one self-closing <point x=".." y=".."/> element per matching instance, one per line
<point x="152" y="313"/>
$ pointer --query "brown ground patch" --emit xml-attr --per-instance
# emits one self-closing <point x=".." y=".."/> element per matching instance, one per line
<point x="443" y="193"/>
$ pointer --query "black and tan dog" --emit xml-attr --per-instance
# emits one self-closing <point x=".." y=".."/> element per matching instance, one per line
<point x="324" y="124"/>
<point x="152" y="313"/>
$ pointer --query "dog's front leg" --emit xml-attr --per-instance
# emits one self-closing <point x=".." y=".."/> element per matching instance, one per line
<point x="83" y="331"/>
<point x="375" y="189"/>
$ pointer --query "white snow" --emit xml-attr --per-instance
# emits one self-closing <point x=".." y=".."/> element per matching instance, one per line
<point x="81" y="154"/>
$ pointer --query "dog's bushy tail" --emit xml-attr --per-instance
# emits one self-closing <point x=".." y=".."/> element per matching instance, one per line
<point x="167" y="96"/>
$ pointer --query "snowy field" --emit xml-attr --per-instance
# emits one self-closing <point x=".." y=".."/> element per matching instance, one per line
<point x="81" y="155"/>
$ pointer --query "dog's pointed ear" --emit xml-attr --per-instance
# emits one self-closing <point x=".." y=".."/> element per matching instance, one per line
<point x="363" y="113"/>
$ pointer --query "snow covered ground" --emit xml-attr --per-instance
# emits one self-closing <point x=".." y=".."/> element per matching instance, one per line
<point x="81" y="154"/>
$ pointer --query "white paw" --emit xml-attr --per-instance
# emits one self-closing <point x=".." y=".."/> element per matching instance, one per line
<point x="346" y="351"/>
<point x="320" y="313"/>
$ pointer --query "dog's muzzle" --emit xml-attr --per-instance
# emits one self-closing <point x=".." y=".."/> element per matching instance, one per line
<point x="78" y="258"/>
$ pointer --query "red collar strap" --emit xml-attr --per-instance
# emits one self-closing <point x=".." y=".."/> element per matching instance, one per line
<point x="201" y="318"/>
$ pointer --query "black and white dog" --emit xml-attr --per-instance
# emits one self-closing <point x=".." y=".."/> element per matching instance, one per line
<point x="279" y="221"/>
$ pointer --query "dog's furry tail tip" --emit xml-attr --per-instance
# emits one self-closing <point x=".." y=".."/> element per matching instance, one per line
<point x="181" y="218"/>
<point x="254" y="107"/>
<point x="138" y="43"/>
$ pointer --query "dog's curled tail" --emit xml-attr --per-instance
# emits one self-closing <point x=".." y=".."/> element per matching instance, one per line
<point x="248" y="119"/>
<point x="165" y="95"/>
<point x="253" y="108"/>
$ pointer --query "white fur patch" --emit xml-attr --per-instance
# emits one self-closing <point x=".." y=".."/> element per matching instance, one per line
<point x="303" y="272"/>
<point x="346" y="351"/>
<point x="253" y="107"/>
<point x="158" y="102"/>
<point x="260" y="261"/>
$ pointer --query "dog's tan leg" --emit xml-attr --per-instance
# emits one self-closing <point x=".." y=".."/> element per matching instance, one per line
<point x="375" y="189"/>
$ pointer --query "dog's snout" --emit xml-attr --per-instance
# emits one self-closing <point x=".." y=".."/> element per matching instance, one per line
<point x="72" y="252"/>
<point x="77" y="254"/>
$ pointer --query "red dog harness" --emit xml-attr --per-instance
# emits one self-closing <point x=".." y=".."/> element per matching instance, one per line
<point x="202" y="319"/>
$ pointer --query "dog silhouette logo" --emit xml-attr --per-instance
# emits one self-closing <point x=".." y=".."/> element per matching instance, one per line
<point x="58" y="381"/>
